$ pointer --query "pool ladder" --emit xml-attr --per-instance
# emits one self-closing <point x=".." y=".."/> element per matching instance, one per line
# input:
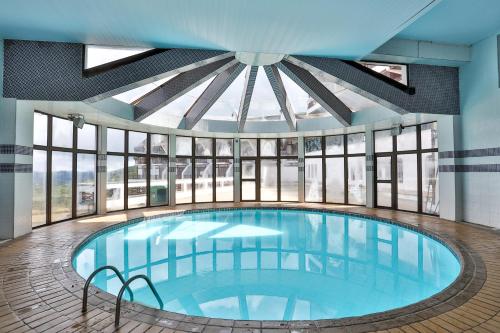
<point x="122" y="290"/>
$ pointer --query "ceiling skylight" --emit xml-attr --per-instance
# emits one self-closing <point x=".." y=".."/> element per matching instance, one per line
<point x="228" y="104"/>
<point x="303" y="104"/>
<point x="264" y="105"/>
<point x="131" y="96"/>
<point x="96" y="55"/>
<point x="172" y="113"/>
<point x="397" y="72"/>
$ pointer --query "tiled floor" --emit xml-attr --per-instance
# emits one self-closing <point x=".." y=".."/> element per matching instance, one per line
<point x="40" y="292"/>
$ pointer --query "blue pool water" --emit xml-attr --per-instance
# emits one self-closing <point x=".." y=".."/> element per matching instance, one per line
<point x="272" y="264"/>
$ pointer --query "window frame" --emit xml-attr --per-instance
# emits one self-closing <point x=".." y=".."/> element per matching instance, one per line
<point x="418" y="151"/>
<point x="74" y="150"/>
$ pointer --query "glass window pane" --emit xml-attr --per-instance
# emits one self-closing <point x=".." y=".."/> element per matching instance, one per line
<point x="383" y="141"/>
<point x="40" y="129"/>
<point x="87" y="137"/>
<point x="183" y="146"/>
<point x="159" y="144"/>
<point x="429" y="135"/>
<point x="137" y="142"/>
<point x="357" y="180"/>
<point x="312" y="146"/>
<point x="183" y="181"/>
<point x="384" y="195"/>
<point x="115" y="190"/>
<point x="203" y="180"/>
<point x="384" y="168"/>
<point x="248" y="169"/>
<point x="313" y="174"/>
<point x="203" y="146"/>
<point x="248" y="147"/>
<point x="86" y="184"/>
<point x="224" y="147"/>
<point x="248" y="190"/>
<point x="289" y="179"/>
<point x="430" y="183"/>
<point x="334" y="145"/>
<point x="62" y="133"/>
<point x="335" y="191"/>
<point x="137" y="173"/>
<point x="61" y="185"/>
<point x="289" y="147"/>
<point x="159" y="180"/>
<point x="356" y="143"/>
<point x="39" y="207"/>
<point x="268" y="180"/>
<point x="115" y="140"/>
<point x="268" y="147"/>
<point x="407" y="140"/>
<point x="224" y="180"/>
<point x="407" y="182"/>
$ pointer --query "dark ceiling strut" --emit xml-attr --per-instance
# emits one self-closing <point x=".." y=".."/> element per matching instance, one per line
<point x="317" y="90"/>
<point x="207" y="99"/>
<point x="177" y="86"/>
<point x="88" y="72"/>
<point x="279" y="90"/>
<point x="246" y="97"/>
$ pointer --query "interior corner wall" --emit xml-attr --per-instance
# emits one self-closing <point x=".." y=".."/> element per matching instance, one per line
<point x="480" y="126"/>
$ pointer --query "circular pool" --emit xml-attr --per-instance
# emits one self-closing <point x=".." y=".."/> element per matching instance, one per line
<point x="271" y="264"/>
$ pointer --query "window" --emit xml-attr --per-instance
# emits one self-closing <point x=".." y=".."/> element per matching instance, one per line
<point x="224" y="179"/>
<point x="137" y="169"/>
<point x="66" y="158"/>
<point x="407" y="169"/>
<point x="269" y="169"/>
<point x="334" y="169"/>
<point x="397" y="72"/>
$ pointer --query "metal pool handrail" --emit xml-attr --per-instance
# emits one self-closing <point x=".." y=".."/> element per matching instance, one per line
<point x="125" y="286"/>
<point x="94" y="273"/>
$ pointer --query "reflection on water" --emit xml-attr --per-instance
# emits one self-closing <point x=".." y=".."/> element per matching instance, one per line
<point x="272" y="264"/>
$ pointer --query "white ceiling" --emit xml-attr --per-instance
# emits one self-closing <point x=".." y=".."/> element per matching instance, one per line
<point x="340" y="28"/>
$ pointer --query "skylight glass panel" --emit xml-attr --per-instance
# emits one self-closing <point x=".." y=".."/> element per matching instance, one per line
<point x="171" y="114"/>
<point x="397" y="72"/>
<point x="303" y="104"/>
<point x="228" y="104"/>
<point x="96" y="55"/>
<point x="263" y="105"/>
<point x="351" y="99"/>
<point x="132" y="95"/>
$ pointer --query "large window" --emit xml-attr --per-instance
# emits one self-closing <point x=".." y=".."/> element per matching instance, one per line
<point x="213" y="170"/>
<point x="407" y="169"/>
<point x="269" y="169"/>
<point x="335" y="169"/>
<point x="137" y="169"/>
<point x="64" y="170"/>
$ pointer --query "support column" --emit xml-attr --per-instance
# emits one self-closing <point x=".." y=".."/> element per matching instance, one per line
<point x="450" y="181"/>
<point x="370" y="168"/>
<point x="16" y="168"/>
<point x="102" y="149"/>
<point x="300" y="147"/>
<point x="237" y="171"/>
<point x="172" y="169"/>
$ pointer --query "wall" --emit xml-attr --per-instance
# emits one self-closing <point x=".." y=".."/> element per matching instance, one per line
<point x="480" y="107"/>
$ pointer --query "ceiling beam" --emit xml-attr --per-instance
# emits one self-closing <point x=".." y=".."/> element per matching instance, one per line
<point x="214" y="90"/>
<point x="317" y="91"/>
<point x="279" y="91"/>
<point x="246" y="97"/>
<point x="178" y="86"/>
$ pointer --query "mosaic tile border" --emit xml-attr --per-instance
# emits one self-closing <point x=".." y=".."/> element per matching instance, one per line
<point x="467" y="284"/>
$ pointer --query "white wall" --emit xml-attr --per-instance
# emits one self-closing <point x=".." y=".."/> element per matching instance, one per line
<point x="480" y="126"/>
